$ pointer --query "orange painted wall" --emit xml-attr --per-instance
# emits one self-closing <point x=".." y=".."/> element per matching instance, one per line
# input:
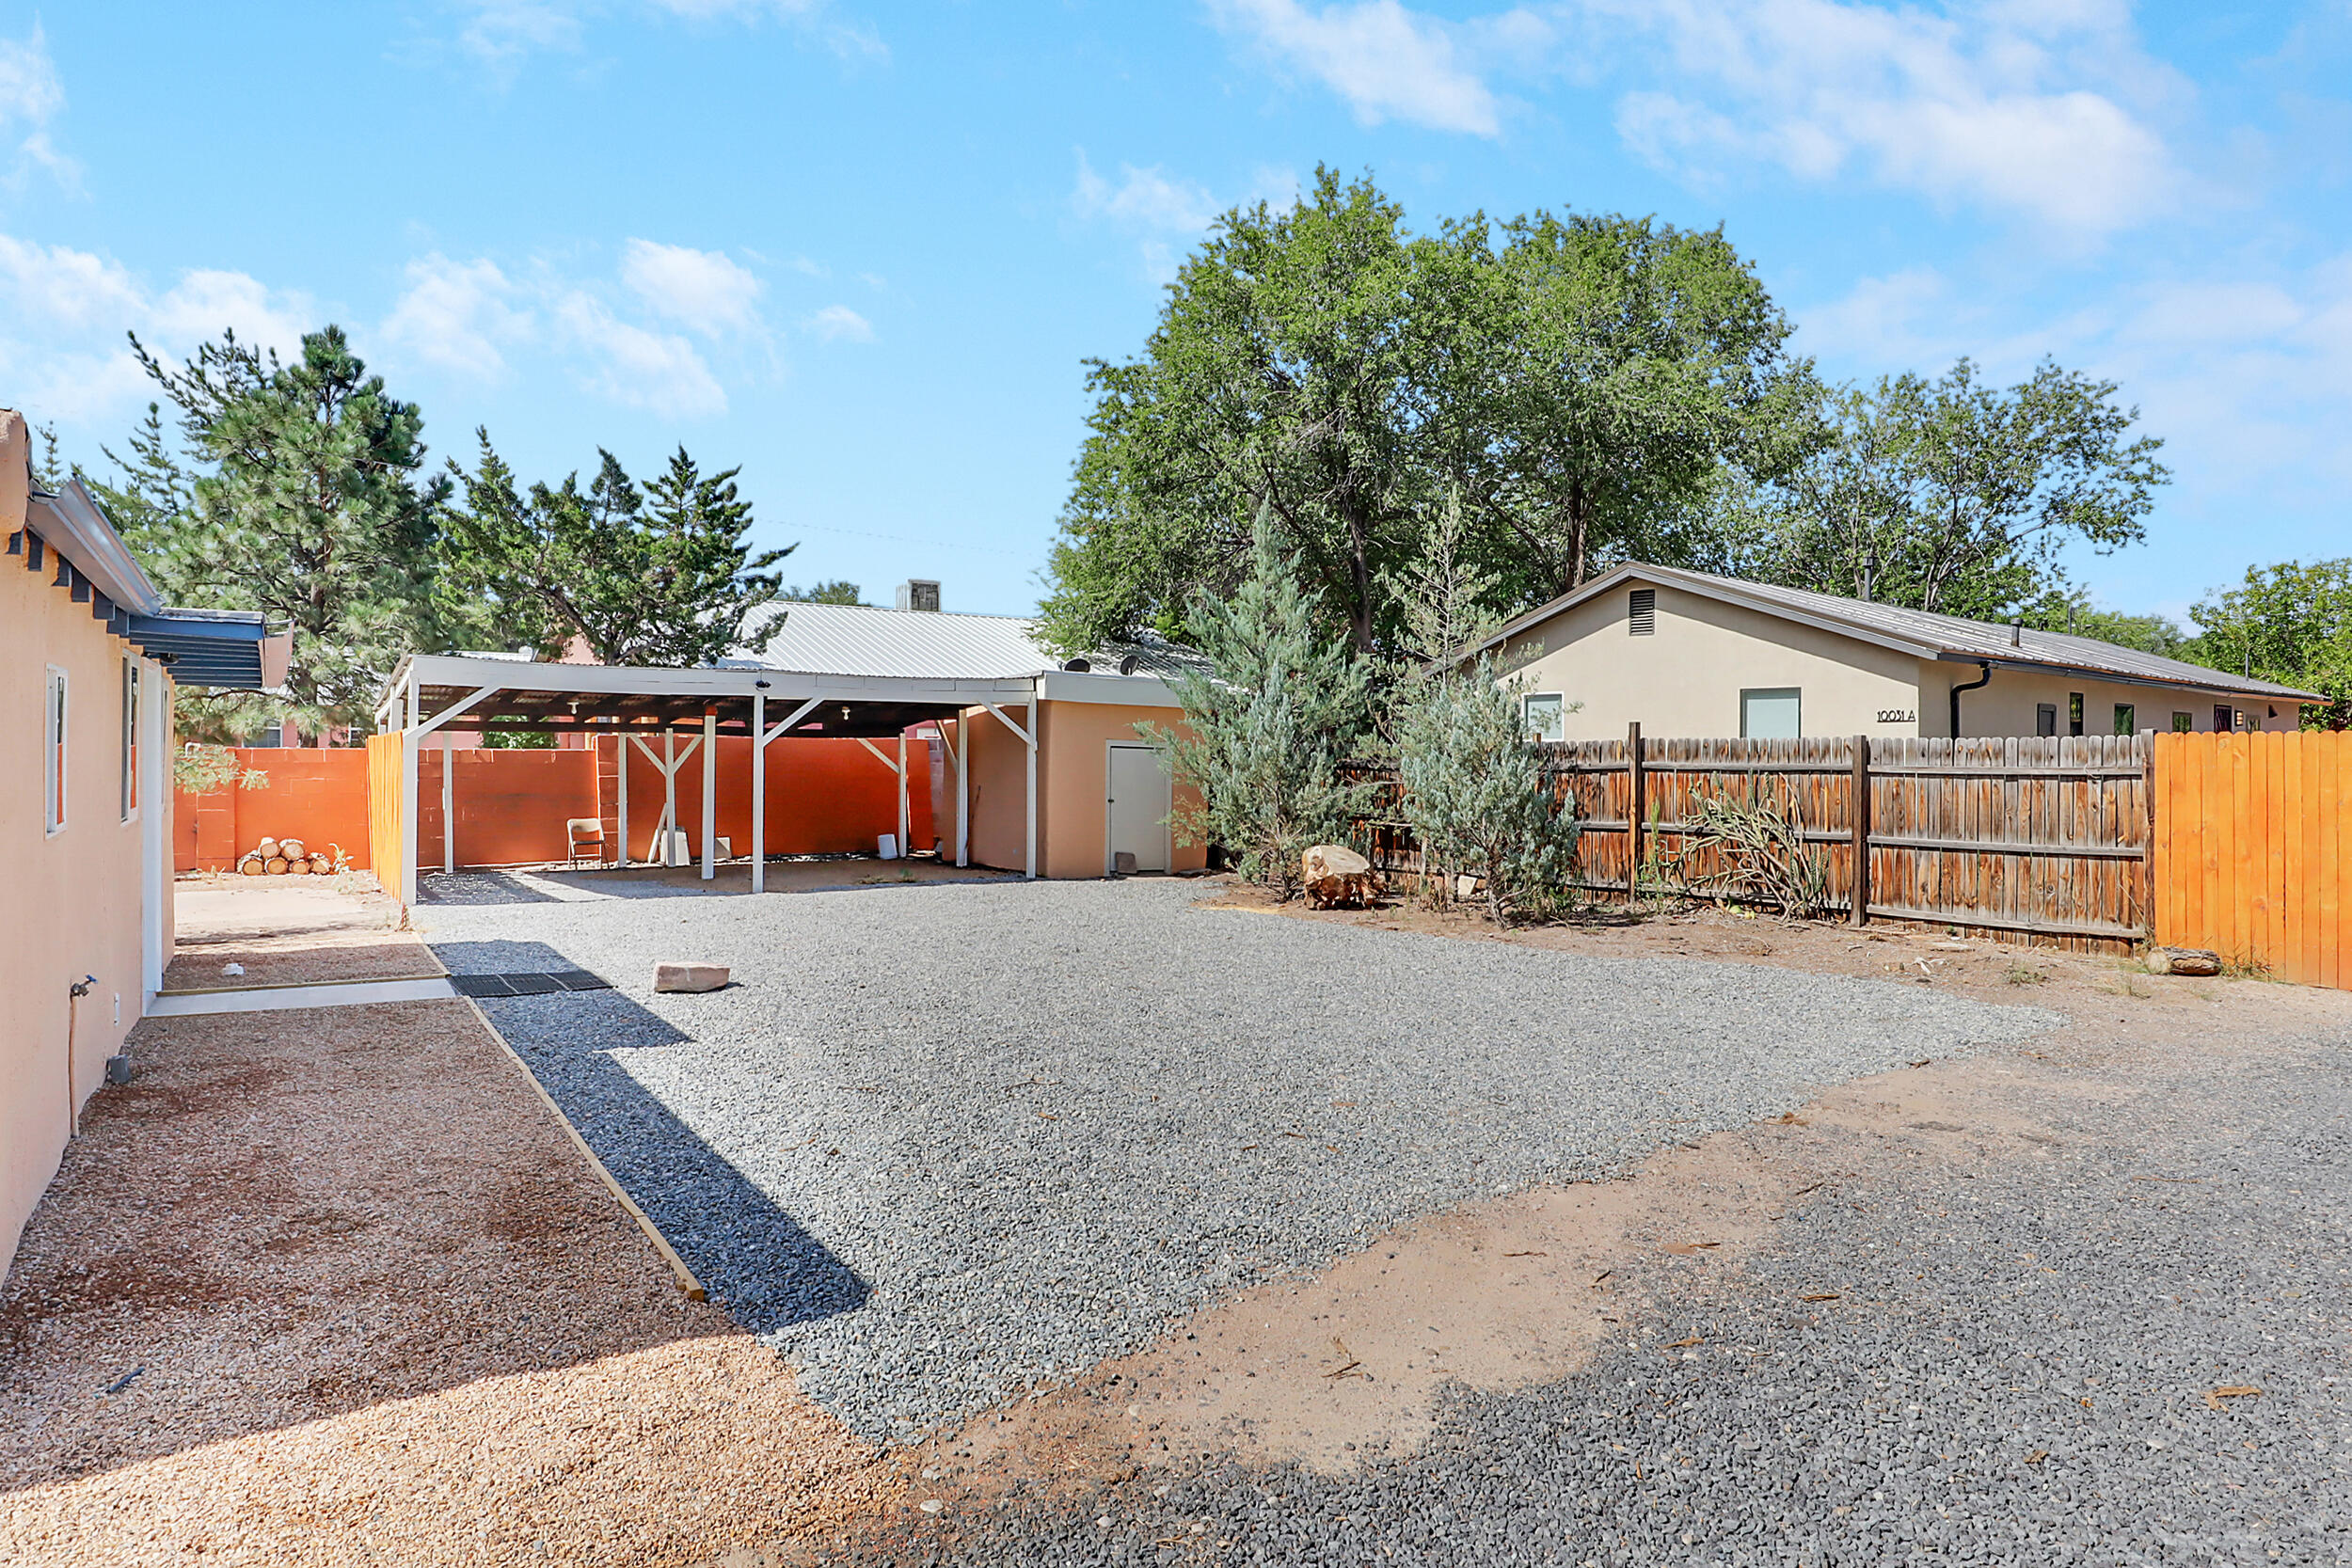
<point x="70" y="901"/>
<point x="319" y="797"/>
<point x="995" y="773"/>
<point x="824" y="796"/>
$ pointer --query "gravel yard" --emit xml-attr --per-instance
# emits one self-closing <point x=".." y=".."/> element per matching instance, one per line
<point x="943" y="1144"/>
<point x="2096" y="1314"/>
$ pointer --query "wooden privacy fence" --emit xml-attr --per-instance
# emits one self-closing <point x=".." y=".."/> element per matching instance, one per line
<point x="2255" y="846"/>
<point x="2049" y="839"/>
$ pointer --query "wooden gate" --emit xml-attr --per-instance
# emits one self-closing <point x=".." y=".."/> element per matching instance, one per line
<point x="2254" y="837"/>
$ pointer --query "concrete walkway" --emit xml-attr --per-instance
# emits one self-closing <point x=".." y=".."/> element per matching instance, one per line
<point x="268" y="999"/>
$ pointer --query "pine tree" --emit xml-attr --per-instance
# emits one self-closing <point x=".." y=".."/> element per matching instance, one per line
<point x="301" y="496"/>
<point x="1471" y="788"/>
<point x="663" y="574"/>
<point x="1286" y="703"/>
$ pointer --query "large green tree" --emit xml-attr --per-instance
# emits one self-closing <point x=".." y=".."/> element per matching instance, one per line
<point x="1955" y="496"/>
<point x="2291" y="624"/>
<point x="1278" y="376"/>
<point x="1573" y="383"/>
<point x="1588" y="375"/>
<point x="662" y="573"/>
<point x="299" y="489"/>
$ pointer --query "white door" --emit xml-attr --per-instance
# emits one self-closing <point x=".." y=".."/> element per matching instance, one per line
<point x="1138" y="807"/>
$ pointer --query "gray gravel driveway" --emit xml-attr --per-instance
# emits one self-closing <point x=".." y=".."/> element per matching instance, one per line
<point x="942" y="1144"/>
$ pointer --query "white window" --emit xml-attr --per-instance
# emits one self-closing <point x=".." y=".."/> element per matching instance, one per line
<point x="1771" y="713"/>
<point x="130" y="739"/>
<point x="1547" y="717"/>
<point x="53" y="753"/>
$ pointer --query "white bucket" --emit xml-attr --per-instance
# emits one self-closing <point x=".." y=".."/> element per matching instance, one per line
<point x="887" y="847"/>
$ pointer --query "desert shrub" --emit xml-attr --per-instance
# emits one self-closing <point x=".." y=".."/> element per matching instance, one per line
<point x="1471" y="786"/>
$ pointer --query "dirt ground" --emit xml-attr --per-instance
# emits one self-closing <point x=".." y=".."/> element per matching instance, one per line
<point x="331" y="1287"/>
<point x="287" y="931"/>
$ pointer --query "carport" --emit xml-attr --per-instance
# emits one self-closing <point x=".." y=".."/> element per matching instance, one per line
<point x="645" y="704"/>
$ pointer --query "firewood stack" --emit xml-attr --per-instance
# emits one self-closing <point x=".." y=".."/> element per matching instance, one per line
<point x="285" y="857"/>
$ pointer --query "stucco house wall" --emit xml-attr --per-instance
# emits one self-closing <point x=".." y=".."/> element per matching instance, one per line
<point x="2009" y="705"/>
<point x="1685" y="678"/>
<point x="72" y="904"/>
<point x="1072" y="787"/>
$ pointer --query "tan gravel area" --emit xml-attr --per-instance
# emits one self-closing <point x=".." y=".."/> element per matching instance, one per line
<point x="289" y="930"/>
<point x="372" y="1306"/>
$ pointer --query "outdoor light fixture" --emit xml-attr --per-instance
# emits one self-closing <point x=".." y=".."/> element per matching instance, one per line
<point x="762" y="684"/>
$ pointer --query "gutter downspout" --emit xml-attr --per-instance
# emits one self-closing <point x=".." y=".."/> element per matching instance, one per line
<point x="1984" y="677"/>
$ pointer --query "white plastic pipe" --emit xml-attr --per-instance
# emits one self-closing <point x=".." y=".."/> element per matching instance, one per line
<point x="759" y="791"/>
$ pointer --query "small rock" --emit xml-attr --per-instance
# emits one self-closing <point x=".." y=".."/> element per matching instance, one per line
<point x="233" y="969"/>
<point x="688" y="976"/>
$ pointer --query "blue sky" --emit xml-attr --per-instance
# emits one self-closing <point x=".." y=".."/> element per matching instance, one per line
<point x="861" y="251"/>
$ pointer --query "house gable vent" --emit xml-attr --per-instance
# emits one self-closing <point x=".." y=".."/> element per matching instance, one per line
<point x="1640" y="612"/>
<point x="918" y="593"/>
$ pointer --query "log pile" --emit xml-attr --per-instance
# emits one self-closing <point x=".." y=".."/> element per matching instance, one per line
<point x="288" y="857"/>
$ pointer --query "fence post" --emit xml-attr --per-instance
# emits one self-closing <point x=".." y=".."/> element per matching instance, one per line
<point x="1634" y="811"/>
<point x="1861" y="897"/>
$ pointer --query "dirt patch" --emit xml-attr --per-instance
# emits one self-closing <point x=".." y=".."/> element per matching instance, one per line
<point x="330" y="1286"/>
<point x="289" y="930"/>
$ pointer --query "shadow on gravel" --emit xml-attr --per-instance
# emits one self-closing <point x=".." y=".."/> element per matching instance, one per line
<point x="756" y="1260"/>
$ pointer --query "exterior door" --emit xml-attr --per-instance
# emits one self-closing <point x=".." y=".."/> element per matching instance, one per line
<point x="1138" y="806"/>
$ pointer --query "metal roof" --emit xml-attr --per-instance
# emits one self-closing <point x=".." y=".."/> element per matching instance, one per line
<point x="861" y="640"/>
<point x="222" y="648"/>
<point x="1921" y="633"/>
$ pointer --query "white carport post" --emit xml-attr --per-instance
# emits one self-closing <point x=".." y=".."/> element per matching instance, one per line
<point x="449" y="802"/>
<point x="620" y="750"/>
<point x="761" y="735"/>
<point x="1029" y="737"/>
<point x="963" y="797"/>
<point x="904" y="846"/>
<point x="411" y="735"/>
<point x="710" y="794"/>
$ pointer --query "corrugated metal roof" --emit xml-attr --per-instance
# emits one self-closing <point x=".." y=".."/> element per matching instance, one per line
<point x="1925" y="632"/>
<point x="861" y="640"/>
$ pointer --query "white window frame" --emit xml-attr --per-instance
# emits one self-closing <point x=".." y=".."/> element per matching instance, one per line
<point x="57" y="715"/>
<point x="1527" y="702"/>
<point x="130" y="739"/>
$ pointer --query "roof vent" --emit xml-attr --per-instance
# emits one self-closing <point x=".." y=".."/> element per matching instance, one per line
<point x="1640" y="612"/>
<point x="1078" y="666"/>
<point x="2017" y="634"/>
<point x="918" y="593"/>
<point x="1127" y="665"/>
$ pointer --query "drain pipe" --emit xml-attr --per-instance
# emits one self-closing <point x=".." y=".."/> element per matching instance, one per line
<point x="1984" y="677"/>
<point x="72" y="1102"/>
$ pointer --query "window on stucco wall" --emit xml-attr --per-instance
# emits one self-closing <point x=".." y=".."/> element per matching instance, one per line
<point x="2045" y="719"/>
<point x="53" y="752"/>
<point x="1545" y="717"/>
<point x="2184" y="722"/>
<point x="2127" y="719"/>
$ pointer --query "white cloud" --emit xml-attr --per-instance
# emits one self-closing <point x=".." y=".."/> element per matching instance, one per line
<point x="636" y="366"/>
<point x="2039" y="110"/>
<point x="1389" y="62"/>
<point x="838" y="323"/>
<point x="31" y="96"/>
<point x="1145" y="198"/>
<point x="457" y="315"/>
<point x="501" y="34"/>
<point x="701" y="289"/>
<point x="1164" y="212"/>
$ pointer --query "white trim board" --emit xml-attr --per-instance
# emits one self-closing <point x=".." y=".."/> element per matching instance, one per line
<point x="282" y="998"/>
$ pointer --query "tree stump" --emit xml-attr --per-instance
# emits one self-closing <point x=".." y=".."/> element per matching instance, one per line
<point x="251" y="866"/>
<point x="291" y="850"/>
<point x="1335" y="874"/>
<point x="275" y="865"/>
<point x="267" y="847"/>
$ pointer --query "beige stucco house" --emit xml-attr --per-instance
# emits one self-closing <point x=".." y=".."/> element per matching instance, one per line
<point x="1688" y="654"/>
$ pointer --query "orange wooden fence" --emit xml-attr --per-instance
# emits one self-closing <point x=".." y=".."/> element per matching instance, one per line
<point x="383" y="780"/>
<point x="319" y="797"/>
<point x="2254" y="842"/>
